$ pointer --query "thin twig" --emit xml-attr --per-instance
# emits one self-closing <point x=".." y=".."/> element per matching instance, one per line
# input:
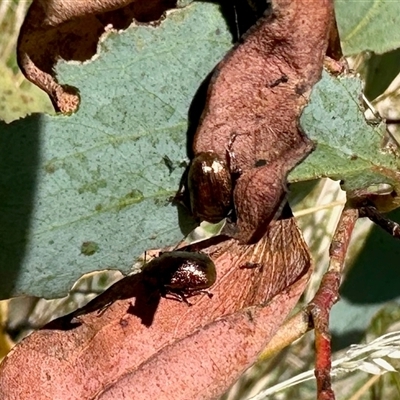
<point x="391" y="227"/>
<point x="326" y="296"/>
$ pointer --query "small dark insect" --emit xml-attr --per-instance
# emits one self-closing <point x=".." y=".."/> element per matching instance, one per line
<point x="260" y="163"/>
<point x="123" y="322"/>
<point x="169" y="164"/>
<point x="180" y="274"/>
<point x="210" y="187"/>
<point x="251" y="265"/>
<point x="282" y="79"/>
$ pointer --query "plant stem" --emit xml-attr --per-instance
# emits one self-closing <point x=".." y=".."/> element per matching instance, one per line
<point x="326" y="296"/>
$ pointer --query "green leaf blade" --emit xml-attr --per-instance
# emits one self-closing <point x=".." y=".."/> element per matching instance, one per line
<point x="348" y="148"/>
<point x="103" y="176"/>
<point x="368" y="25"/>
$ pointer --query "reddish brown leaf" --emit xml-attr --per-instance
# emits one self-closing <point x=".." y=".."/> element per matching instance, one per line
<point x="204" y="364"/>
<point x="143" y="346"/>
<point x="254" y="101"/>
<point x="70" y="30"/>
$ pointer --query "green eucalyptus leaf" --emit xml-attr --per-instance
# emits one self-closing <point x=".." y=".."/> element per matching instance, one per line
<point x="91" y="191"/>
<point x="348" y="148"/>
<point x="368" y="25"/>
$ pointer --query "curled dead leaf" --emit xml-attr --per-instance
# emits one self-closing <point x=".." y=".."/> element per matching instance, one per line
<point x="70" y="30"/>
<point x="144" y="346"/>
<point x="254" y="101"/>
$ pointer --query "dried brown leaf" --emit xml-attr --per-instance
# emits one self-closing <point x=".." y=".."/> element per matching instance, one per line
<point x="254" y="101"/>
<point x="143" y="346"/>
<point x="70" y="30"/>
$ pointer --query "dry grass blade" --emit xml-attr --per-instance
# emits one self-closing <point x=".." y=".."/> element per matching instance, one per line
<point x="373" y="358"/>
<point x="12" y="16"/>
